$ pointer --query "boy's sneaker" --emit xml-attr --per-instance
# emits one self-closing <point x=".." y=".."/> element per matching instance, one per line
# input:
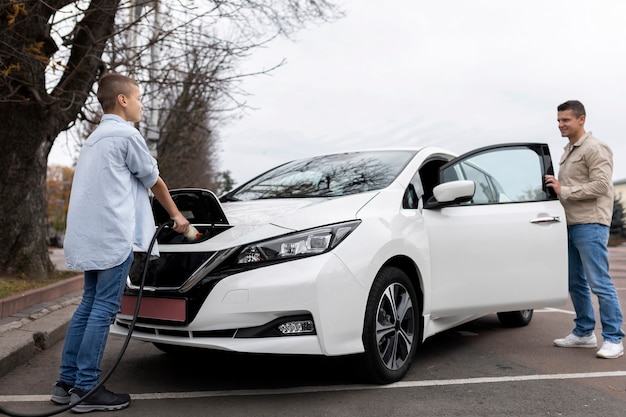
<point x="101" y="400"/>
<point x="610" y="350"/>
<point x="61" y="393"/>
<point x="571" y="340"/>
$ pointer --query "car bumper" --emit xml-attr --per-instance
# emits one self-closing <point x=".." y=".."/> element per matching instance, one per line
<point x="320" y="287"/>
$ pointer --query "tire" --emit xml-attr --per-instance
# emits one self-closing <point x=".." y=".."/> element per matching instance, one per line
<point x="391" y="327"/>
<point x="518" y="318"/>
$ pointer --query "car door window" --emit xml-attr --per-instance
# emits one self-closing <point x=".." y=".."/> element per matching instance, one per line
<point x="410" y="200"/>
<point x="502" y="175"/>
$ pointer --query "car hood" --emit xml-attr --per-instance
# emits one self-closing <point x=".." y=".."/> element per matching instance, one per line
<point x="250" y="221"/>
<point x="263" y="219"/>
<point x="296" y="213"/>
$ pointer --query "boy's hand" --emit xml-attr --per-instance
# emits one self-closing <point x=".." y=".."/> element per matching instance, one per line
<point x="181" y="224"/>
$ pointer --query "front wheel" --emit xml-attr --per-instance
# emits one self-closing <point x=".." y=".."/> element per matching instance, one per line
<point x="391" y="327"/>
<point x="518" y="318"/>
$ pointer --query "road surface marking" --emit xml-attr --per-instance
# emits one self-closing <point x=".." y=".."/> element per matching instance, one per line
<point x="555" y="310"/>
<point x="337" y="388"/>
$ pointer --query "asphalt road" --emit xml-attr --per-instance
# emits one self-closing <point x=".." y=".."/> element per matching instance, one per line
<point x="479" y="369"/>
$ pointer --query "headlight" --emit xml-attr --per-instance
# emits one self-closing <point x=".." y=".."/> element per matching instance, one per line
<point x="296" y="245"/>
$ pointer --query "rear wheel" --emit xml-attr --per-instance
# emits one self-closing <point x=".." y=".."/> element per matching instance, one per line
<point x="518" y="318"/>
<point x="391" y="327"/>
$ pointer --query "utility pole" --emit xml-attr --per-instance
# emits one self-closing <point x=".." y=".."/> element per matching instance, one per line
<point x="152" y="130"/>
<point x="152" y="118"/>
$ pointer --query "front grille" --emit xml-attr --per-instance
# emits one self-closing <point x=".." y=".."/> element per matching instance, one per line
<point x="169" y="271"/>
<point x="182" y="276"/>
<point x="228" y="333"/>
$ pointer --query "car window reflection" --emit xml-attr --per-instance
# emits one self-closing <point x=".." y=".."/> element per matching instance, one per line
<point x="327" y="176"/>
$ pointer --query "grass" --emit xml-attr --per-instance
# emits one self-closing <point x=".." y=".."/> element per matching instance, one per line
<point x="14" y="286"/>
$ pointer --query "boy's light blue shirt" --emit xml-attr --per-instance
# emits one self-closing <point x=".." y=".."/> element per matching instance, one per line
<point x="109" y="207"/>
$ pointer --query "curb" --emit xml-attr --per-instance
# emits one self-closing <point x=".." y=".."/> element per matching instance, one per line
<point x="38" y="319"/>
<point x="19" y="302"/>
<point x="20" y="344"/>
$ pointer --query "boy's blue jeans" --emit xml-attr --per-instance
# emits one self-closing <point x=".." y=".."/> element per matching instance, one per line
<point x="89" y="328"/>
<point x="589" y="269"/>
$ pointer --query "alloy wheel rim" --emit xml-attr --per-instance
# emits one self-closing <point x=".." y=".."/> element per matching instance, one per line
<point x="395" y="326"/>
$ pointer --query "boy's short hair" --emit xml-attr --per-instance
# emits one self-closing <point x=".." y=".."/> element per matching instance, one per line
<point x="575" y="106"/>
<point x="110" y="86"/>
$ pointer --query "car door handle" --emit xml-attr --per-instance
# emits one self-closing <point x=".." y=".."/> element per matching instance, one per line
<point x="546" y="219"/>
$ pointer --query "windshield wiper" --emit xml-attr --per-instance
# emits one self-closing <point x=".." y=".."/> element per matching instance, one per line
<point x="227" y="198"/>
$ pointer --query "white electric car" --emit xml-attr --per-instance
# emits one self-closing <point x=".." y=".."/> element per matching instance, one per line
<point x="365" y="253"/>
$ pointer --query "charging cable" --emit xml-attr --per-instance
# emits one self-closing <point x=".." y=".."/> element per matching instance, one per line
<point x="122" y="350"/>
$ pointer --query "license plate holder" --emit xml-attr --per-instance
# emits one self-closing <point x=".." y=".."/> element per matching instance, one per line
<point x="170" y="309"/>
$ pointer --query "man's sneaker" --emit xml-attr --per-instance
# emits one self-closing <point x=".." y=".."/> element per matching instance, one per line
<point x="610" y="350"/>
<point x="571" y="340"/>
<point x="61" y="393"/>
<point x="101" y="400"/>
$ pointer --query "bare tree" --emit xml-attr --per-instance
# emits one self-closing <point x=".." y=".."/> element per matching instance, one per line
<point x="224" y="182"/>
<point x="194" y="99"/>
<point x="51" y="54"/>
<point x="186" y="146"/>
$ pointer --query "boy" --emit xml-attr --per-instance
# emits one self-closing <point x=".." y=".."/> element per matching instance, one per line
<point x="109" y="211"/>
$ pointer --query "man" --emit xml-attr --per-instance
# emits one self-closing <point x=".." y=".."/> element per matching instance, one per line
<point x="109" y="211"/>
<point x="585" y="189"/>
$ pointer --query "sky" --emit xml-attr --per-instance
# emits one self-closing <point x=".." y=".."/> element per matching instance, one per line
<point x="456" y="74"/>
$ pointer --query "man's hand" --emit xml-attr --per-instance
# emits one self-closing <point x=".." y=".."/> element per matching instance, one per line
<point x="552" y="182"/>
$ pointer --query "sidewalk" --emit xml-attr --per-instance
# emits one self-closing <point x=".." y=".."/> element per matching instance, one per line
<point x="35" y="320"/>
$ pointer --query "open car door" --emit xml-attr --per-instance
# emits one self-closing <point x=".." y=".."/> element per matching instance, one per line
<point x="503" y="248"/>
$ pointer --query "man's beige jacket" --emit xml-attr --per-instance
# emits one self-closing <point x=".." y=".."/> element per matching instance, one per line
<point x="586" y="177"/>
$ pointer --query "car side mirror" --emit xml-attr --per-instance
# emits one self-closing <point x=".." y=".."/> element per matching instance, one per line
<point x="449" y="193"/>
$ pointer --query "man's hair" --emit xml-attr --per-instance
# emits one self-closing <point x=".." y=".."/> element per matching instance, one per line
<point x="110" y="86"/>
<point x="575" y="106"/>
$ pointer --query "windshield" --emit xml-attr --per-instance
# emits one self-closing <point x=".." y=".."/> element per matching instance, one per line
<point x="326" y="176"/>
